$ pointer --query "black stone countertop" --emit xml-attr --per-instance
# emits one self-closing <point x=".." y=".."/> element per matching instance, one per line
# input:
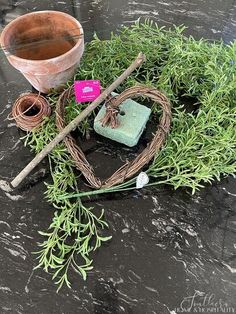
<point x="167" y="247"/>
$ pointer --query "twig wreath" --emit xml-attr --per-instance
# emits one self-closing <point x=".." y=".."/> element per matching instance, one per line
<point x="130" y="167"/>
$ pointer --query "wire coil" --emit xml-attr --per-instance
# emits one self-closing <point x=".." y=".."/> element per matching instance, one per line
<point x="29" y="111"/>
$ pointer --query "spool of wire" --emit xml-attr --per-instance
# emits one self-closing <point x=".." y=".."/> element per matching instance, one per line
<point x="29" y="111"/>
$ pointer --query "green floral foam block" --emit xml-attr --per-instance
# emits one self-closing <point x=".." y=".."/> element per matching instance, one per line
<point x="132" y="121"/>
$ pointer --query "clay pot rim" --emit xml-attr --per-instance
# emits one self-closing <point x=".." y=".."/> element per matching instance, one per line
<point x="35" y="62"/>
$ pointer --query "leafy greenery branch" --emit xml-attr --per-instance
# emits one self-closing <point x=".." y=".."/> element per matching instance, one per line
<point x="199" y="149"/>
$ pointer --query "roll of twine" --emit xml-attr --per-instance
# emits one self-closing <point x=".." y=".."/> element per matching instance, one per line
<point x="23" y="105"/>
<point x="130" y="168"/>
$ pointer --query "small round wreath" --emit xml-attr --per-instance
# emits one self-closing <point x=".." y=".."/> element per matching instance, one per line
<point x="130" y="167"/>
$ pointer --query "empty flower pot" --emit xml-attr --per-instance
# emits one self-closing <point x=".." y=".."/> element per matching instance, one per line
<point x="45" y="46"/>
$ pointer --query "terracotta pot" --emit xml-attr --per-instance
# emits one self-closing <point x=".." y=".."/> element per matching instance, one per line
<point x="45" y="46"/>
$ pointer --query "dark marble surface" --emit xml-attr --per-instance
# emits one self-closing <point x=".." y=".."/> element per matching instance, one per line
<point x="167" y="245"/>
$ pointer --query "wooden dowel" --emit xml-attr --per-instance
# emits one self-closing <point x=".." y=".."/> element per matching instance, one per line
<point x="73" y="124"/>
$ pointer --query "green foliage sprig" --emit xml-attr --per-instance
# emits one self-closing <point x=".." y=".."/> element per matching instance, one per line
<point x="200" y="148"/>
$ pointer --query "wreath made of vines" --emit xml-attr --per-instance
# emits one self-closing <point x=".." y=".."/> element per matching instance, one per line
<point x="129" y="168"/>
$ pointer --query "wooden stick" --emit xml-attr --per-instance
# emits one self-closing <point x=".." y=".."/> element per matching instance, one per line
<point x="73" y="124"/>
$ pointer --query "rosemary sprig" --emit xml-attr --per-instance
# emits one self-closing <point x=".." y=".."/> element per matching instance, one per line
<point x="199" y="149"/>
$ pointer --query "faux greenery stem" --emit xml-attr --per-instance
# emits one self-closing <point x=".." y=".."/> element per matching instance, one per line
<point x="114" y="189"/>
<point x="198" y="76"/>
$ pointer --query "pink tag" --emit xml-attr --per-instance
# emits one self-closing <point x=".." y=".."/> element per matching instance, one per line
<point x="86" y="91"/>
